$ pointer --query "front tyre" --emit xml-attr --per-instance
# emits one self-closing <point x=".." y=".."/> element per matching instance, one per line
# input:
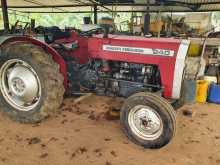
<point x="148" y="120"/>
<point x="31" y="86"/>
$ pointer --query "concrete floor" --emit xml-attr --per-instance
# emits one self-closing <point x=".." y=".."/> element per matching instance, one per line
<point x="83" y="135"/>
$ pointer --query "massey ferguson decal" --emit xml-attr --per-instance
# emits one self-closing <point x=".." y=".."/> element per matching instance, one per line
<point x="147" y="51"/>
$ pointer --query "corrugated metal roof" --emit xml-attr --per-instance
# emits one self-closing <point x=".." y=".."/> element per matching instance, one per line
<point x="115" y="5"/>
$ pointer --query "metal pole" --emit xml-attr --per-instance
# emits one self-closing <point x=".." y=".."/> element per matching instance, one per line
<point x="95" y="15"/>
<point x="171" y="25"/>
<point x="5" y="14"/>
<point x="158" y="21"/>
<point x="147" y="19"/>
<point x="132" y="21"/>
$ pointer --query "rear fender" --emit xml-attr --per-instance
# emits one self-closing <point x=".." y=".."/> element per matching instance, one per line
<point x="55" y="55"/>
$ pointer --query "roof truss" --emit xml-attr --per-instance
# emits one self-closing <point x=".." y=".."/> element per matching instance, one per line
<point x="78" y="6"/>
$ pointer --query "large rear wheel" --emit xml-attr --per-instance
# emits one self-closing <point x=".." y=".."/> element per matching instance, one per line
<point x="148" y="120"/>
<point x="31" y="85"/>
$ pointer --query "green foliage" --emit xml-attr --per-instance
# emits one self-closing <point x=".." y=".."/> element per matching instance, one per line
<point x="76" y="19"/>
<point x="52" y="19"/>
<point x="216" y="20"/>
<point x="59" y="19"/>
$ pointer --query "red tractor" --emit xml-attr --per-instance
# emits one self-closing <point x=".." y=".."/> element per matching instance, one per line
<point x="35" y="72"/>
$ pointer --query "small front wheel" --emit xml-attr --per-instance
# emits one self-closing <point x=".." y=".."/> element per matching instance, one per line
<point x="148" y="120"/>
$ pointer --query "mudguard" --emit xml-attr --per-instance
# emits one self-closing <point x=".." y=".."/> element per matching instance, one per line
<point x="27" y="39"/>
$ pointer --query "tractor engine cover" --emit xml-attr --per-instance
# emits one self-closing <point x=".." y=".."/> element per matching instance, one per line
<point x="168" y="54"/>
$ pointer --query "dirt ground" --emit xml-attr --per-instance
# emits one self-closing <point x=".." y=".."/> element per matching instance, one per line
<point x="84" y="134"/>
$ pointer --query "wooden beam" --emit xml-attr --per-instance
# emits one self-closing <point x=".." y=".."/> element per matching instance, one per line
<point x="41" y="4"/>
<point x="123" y="11"/>
<point x="106" y="5"/>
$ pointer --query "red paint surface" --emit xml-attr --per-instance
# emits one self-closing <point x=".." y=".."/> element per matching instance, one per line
<point x="166" y="64"/>
<point x="92" y="48"/>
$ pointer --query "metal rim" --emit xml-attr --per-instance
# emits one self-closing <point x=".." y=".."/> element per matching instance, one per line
<point x="20" y="85"/>
<point x="145" y="122"/>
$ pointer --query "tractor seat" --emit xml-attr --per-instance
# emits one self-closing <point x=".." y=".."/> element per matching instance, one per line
<point x="54" y="33"/>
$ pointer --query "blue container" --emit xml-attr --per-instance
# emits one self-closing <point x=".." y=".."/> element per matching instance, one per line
<point x="214" y="94"/>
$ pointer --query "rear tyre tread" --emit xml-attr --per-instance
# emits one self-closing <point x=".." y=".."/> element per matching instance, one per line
<point x="50" y="77"/>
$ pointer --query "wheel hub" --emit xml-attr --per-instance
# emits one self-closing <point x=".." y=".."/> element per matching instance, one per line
<point x="145" y="122"/>
<point x="23" y="83"/>
<point x="20" y="84"/>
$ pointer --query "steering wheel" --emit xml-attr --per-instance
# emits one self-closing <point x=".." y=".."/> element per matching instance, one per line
<point x="23" y="29"/>
<point x="91" y="32"/>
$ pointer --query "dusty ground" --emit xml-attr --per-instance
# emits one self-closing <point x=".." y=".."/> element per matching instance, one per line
<point x="85" y="135"/>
